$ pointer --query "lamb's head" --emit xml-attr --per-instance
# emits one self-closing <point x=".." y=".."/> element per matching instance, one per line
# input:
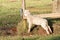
<point x="26" y="13"/>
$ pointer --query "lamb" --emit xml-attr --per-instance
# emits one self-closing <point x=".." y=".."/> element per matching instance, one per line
<point x="36" y="21"/>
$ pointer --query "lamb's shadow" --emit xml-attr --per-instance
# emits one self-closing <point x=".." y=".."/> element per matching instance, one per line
<point x="35" y="26"/>
<point x="50" y="23"/>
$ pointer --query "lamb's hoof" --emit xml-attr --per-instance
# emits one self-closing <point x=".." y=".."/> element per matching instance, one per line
<point x="28" y="31"/>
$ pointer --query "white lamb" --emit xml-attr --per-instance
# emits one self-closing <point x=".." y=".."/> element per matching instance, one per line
<point x="36" y="21"/>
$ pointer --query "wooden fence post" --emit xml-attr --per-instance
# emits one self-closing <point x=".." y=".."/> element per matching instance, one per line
<point x="54" y="6"/>
<point x="58" y="6"/>
<point x="24" y="7"/>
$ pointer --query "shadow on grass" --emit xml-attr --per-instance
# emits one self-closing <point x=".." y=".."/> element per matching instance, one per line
<point x="50" y="23"/>
<point x="35" y="26"/>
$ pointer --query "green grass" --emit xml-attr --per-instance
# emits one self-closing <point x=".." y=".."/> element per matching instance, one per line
<point x="51" y="37"/>
<point x="10" y="17"/>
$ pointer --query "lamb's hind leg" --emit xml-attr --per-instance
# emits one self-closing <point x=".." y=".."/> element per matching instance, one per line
<point x="45" y="28"/>
<point x="49" y="29"/>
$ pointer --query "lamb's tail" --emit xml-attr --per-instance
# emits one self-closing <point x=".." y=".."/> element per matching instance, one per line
<point x="49" y="29"/>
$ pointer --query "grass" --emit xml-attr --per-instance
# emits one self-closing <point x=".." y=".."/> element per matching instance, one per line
<point x="30" y="37"/>
<point x="10" y="17"/>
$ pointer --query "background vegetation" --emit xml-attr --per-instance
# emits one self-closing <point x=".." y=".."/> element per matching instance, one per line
<point x="10" y="17"/>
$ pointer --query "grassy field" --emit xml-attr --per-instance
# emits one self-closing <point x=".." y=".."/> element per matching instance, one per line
<point x="10" y="17"/>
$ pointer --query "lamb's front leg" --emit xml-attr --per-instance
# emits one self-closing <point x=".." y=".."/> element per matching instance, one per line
<point x="29" y="27"/>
